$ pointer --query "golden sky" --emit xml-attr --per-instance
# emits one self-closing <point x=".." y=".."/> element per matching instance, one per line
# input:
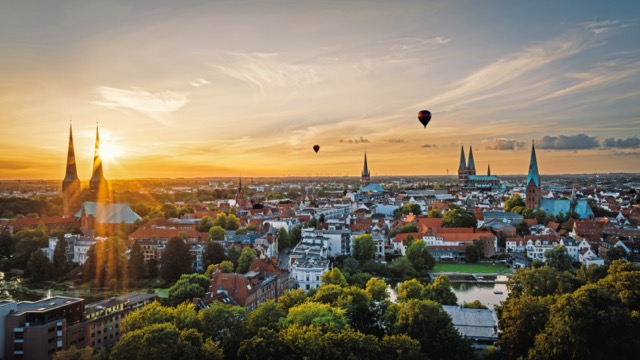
<point x="213" y="88"/>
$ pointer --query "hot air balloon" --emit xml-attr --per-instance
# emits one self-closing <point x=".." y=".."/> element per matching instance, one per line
<point x="316" y="148"/>
<point x="424" y="116"/>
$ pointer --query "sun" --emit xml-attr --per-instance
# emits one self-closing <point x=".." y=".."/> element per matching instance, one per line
<point x="109" y="151"/>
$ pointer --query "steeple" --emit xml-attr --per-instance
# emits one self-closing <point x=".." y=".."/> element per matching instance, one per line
<point x="533" y="174"/>
<point x="71" y="183"/>
<point x="240" y="200"/>
<point x="463" y="163"/>
<point x="489" y="170"/>
<point x="472" y="163"/>
<point x="98" y="183"/>
<point x="366" y="175"/>
<point x="533" y="182"/>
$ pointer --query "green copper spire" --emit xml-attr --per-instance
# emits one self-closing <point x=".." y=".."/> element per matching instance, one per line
<point x="365" y="171"/>
<point x="463" y="162"/>
<point x="472" y="163"/>
<point x="533" y="175"/>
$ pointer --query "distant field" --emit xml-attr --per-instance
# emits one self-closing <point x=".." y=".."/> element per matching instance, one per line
<point x="162" y="293"/>
<point x="470" y="268"/>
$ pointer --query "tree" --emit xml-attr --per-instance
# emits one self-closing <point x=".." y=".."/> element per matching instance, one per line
<point x="291" y="298"/>
<point x="334" y="276"/>
<point x="521" y="319"/>
<point x="459" y="218"/>
<point x="540" y="216"/>
<point x="176" y="260"/>
<point x="440" y="291"/>
<point x="419" y="256"/>
<point x="377" y="289"/>
<point x="152" y="268"/>
<point x="323" y="316"/>
<point x="471" y="253"/>
<point x="224" y="324"/>
<point x="226" y="266"/>
<point x="295" y="235"/>
<point x="73" y="353"/>
<point x="522" y="228"/>
<point x="401" y="267"/>
<point x="6" y="244"/>
<point x="233" y="254"/>
<point x="205" y="224"/>
<point x="266" y="316"/>
<point x="559" y="258"/>
<point x="213" y="253"/>
<point x="616" y="253"/>
<point x="434" y="213"/>
<point x="427" y="322"/>
<point x="246" y="259"/>
<point x="169" y="211"/>
<point x="217" y="233"/>
<point x="400" y="347"/>
<point x="26" y="242"/>
<point x="38" y="266"/>
<point x="410" y="289"/>
<point x="107" y="264"/>
<point x="363" y="247"/>
<point x="188" y="287"/>
<point x="60" y="257"/>
<point x="283" y="238"/>
<point x="512" y="202"/>
<point x="136" y="267"/>
<point x="475" y="304"/>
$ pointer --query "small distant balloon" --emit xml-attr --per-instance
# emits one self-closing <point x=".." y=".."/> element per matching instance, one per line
<point x="424" y="116"/>
<point x="316" y="148"/>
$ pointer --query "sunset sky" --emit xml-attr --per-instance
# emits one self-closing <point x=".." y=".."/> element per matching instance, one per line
<point x="227" y="88"/>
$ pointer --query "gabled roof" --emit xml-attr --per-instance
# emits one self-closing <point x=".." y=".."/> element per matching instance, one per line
<point x="109" y="213"/>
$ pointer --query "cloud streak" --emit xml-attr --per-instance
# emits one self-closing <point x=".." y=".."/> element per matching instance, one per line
<point x="141" y="100"/>
<point x="628" y="143"/>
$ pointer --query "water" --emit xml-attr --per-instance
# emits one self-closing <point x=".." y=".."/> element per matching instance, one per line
<point x="484" y="292"/>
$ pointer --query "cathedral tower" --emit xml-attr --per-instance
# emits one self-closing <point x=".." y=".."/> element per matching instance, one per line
<point x="98" y="184"/>
<point x="366" y="175"/>
<point x="462" y="169"/>
<point x="533" y="182"/>
<point x="471" y="165"/>
<point x="71" y="183"/>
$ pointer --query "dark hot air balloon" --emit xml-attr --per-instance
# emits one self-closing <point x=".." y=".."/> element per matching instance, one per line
<point x="424" y="116"/>
<point x="316" y="148"/>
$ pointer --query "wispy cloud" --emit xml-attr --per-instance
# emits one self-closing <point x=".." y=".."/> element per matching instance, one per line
<point x="395" y="141"/>
<point x="418" y="44"/>
<point x="481" y="83"/>
<point x="199" y="82"/>
<point x="141" y="100"/>
<point x="265" y="71"/>
<point x="603" y="26"/>
<point x="505" y="144"/>
<point x="568" y="142"/>
<point x="427" y="145"/>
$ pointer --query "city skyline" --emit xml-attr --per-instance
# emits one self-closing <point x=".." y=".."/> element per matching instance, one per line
<point x="219" y="89"/>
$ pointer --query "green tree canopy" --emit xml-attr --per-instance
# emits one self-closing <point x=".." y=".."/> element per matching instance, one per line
<point x="419" y="256"/>
<point x="459" y="218"/>
<point x="334" y="276"/>
<point x="213" y="253"/>
<point x="363" y="247"/>
<point x="135" y="266"/>
<point x="188" y="287"/>
<point x="216" y="233"/>
<point x="513" y="202"/>
<point x="559" y="258"/>
<point x="377" y="289"/>
<point x="226" y="266"/>
<point x="176" y="260"/>
<point x="246" y="259"/>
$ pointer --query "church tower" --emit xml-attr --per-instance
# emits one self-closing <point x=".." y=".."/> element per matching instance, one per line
<point x="462" y="169"/>
<point x="366" y="175"/>
<point x="471" y="166"/>
<point x="71" y="183"/>
<point x="98" y="184"/>
<point x="533" y="182"/>
<point x="241" y="201"/>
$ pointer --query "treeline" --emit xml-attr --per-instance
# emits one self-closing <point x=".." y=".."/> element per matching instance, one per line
<point x="593" y="313"/>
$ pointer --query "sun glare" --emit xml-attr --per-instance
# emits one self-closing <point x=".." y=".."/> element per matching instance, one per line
<point x="109" y="151"/>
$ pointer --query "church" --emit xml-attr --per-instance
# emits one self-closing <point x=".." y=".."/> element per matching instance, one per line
<point x="99" y="215"/>
<point x="467" y="177"/>
<point x="533" y="199"/>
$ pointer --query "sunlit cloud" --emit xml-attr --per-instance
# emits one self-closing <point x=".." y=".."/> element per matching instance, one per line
<point x="418" y="44"/>
<point x="141" y="100"/>
<point x="601" y="27"/>
<point x="395" y="141"/>
<point x="360" y="140"/>
<point x="505" y="144"/>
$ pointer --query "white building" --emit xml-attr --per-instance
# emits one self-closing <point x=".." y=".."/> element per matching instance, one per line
<point x="307" y="272"/>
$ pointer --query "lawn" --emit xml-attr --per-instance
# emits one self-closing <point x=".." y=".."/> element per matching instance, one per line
<point x="470" y="268"/>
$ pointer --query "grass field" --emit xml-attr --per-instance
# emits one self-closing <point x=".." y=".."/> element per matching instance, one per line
<point x="162" y="293"/>
<point x="470" y="268"/>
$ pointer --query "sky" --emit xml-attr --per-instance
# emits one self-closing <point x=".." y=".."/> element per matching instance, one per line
<point x="197" y="88"/>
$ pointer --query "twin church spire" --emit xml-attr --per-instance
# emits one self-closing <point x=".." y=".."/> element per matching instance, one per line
<point x="71" y="189"/>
